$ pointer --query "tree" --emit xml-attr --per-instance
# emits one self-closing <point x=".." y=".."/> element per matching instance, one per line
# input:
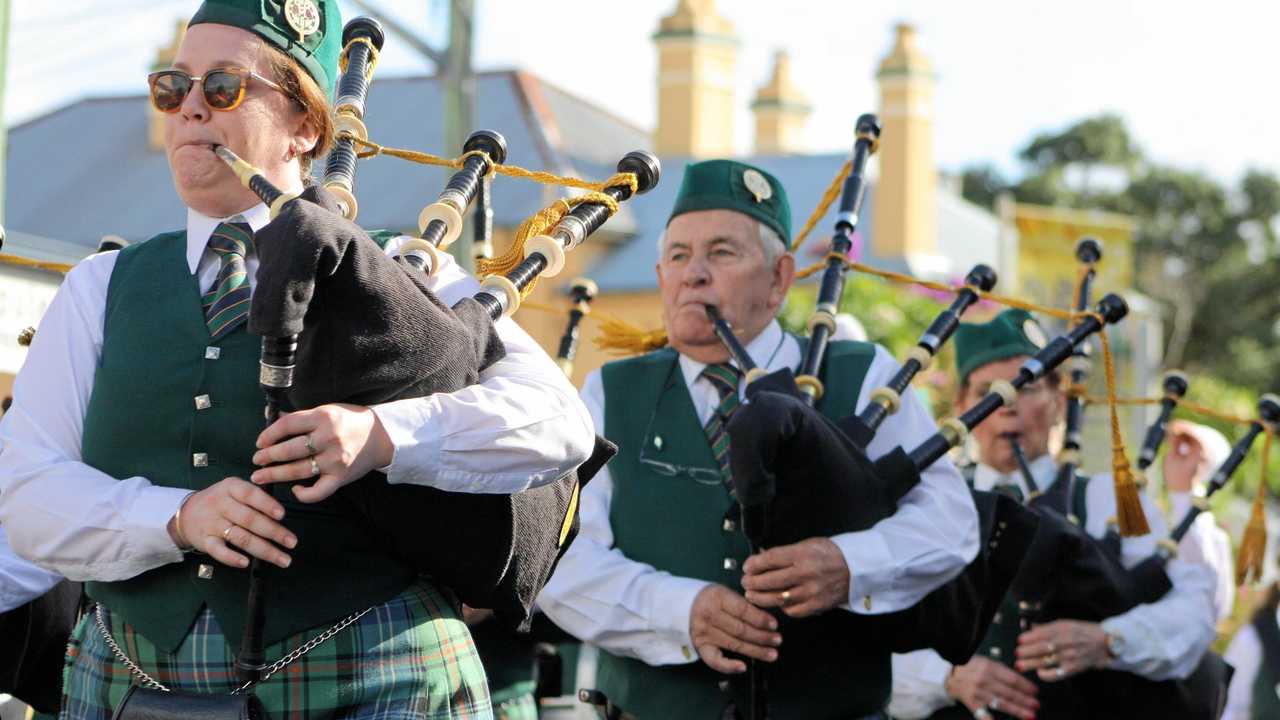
<point x="1207" y="251"/>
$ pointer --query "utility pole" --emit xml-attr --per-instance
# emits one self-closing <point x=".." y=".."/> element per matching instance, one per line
<point x="457" y="85"/>
<point x="5" y="10"/>
<point x="459" y="102"/>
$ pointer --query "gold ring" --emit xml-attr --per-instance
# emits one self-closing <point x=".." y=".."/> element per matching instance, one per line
<point x="1051" y="660"/>
<point x="226" y="534"/>
<point x="311" y="445"/>
<point x="786" y="596"/>
<point x="1052" y="647"/>
<point x="315" y="467"/>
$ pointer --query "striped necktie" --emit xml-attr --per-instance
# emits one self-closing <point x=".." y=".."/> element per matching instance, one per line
<point x="226" y="305"/>
<point x="724" y="378"/>
<point x="1010" y="488"/>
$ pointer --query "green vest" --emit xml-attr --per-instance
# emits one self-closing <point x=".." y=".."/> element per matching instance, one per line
<point x="687" y="525"/>
<point x="1266" y="684"/>
<point x="170" y="405"/>
<point x="1001" y="640"/>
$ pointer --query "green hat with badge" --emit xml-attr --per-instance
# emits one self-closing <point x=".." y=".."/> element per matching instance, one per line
<point x="309" y="31"/>
<point x="731" y="185"/>
<point x="1012" y="333"/>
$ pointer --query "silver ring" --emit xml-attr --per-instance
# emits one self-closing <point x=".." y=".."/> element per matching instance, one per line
<point x="315" y="467"/>
<point x="311" y="445"/>
<point x="994" y="704"/>
<point x="981" y="714"/>
<point x="1060" y="673"/>
<point x="1052" y="647"/>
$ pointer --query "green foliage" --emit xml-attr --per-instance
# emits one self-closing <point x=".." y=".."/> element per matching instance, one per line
<point x="1102" y="140"/>
<point x="1208" y="252"/>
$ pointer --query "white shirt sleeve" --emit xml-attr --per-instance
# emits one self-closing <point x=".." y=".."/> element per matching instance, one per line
<point x="1245" y="655"/>
<point x="919" y="685"/>
<point x="521" y="426"/>
<point x="59" y="512"/>
<point x="602" y="597"/>
<point x="1167" y="638"/>
<point x="934" y="533"/>
<point x="1209" y="545"/>
<point x="20" y="581"/>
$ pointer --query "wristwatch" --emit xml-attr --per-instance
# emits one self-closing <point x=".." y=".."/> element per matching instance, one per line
<point x="1115" y="646"/>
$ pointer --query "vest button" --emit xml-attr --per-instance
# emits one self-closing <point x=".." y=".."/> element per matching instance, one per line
<point x="203" y="402"/>
<point x="205" y="571"/>
<point x="723" y="685"/>
<point x="729" y="525"/>
<point x="657" y="442"/>
<point x="995" y="653"/>
<point x="200" y="460"/>
<point x="212" y="353"/>
<point x="997" y="618"/>
<point x="730" y="564"/>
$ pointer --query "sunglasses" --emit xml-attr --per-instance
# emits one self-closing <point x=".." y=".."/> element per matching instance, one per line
<point x="223" y="88"/>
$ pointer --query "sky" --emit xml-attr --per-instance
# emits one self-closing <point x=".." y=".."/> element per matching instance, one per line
<point x="1195" y="82"/>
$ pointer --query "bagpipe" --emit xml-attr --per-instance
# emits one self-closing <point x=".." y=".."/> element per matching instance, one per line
<point x="341" y="321"/>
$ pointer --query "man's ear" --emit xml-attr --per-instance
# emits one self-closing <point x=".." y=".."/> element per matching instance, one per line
<point x="784" y="273"/>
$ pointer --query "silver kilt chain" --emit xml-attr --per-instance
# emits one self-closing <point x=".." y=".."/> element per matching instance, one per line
<point x="272" y="669"/>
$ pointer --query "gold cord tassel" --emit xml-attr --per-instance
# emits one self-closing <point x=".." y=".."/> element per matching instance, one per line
<point x="619" y="337"/>
<point x="1131" y="519"/>
<point x="1253" y="546"/>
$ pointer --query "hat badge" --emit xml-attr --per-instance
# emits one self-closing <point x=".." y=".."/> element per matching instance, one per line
<point x="1034" y="333"/>
<point x="303" y="16"/>
<point x="757" y="185"/>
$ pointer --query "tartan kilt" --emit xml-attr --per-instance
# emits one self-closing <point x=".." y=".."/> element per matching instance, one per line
<point x="411" y="658"/>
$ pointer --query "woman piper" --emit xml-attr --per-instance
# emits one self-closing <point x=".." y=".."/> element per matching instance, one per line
<point x="131" y="447"/>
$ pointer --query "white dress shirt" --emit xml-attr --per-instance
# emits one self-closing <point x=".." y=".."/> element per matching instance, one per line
<point x="1245" y="655"/>
<point x="1209" y="545"/>
<point x="21" y="581"/>
<point x="521" y="426"/>
<point x="633" y="609"/>
<point x="1163" y="640"/>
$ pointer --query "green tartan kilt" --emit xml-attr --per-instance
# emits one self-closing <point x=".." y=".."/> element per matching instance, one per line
<point x="411" y="658"/>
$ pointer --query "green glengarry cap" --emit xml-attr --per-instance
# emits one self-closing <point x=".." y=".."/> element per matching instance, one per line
<point x="1012" y="333"/>
<point x="309" y="31"/>
<point x="731" y="185"/>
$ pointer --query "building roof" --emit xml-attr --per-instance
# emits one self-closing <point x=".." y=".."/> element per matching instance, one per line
<point x="968" y="234"/>
<point x="85" y="170"/>
<point x="43" y="249"/>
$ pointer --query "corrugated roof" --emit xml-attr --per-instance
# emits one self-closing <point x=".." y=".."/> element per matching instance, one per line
<point x="85" y="170"/>
<point x="34" y="247"/>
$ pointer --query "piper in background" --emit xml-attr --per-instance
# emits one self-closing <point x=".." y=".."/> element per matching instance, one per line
<point x="1194" y="451"/>
<point x="1161" y="640"/>
<point x="660" y="576"/>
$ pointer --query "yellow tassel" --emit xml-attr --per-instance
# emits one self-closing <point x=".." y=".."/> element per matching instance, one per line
<point x="620" y="337"/>
<point x="1131" y="519"/>
<point x="1253" y="546"/>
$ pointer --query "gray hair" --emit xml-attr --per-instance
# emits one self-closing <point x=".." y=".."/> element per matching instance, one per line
<point x="770" y="242"/>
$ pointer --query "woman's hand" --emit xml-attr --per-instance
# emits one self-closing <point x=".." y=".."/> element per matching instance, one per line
<point x="230" y="516"/>
<point x="332" y="444"/>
